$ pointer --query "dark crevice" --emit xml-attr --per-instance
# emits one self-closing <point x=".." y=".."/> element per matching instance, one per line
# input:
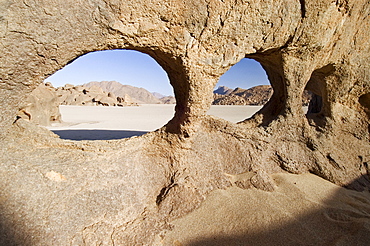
<point x="364" y="100"/>
<point x="16" y="119"/>
<point x="315" y="104"/>
<point x="333" y="162"/>
<point x="165" y="190"/>
<point x="303" y="8"/>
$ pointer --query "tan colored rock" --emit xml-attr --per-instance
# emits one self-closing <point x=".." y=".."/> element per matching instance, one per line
<point x="168" y="100"/>
<point x="111" y="95"/>
<point x="257" y="95"/>
<point x="89" y="96"/>
<point x="126" y="192"/>
<point x="94" y="90"/>
<point x="138" y="95"/>
<point x="107" y="101"/>
<point x="41" y="106"/>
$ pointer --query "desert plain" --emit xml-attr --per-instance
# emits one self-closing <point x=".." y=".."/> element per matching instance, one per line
<point x="106" y="123"/>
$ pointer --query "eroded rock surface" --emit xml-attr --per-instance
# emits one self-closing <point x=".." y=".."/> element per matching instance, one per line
<point x="126" y="192"/>
<point x="90" y="96"/>
<point x="41" y="106"/>
<point x="257" y="95"/>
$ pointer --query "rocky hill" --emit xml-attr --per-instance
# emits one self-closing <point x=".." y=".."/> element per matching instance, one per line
<point x="165" y="99"/>
<point x="168" y="100"/>
<point x="223" y="90"/>
<point x="42" y="105"/>
<point x="257" y="95"/>
<point x="90" y="96"/>
<point x="138" y="95"/>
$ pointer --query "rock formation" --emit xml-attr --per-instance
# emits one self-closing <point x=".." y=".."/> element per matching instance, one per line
<point x="41" y="106"/>
<point x="257" y="95"/>
<point x="138" y="95"/>
<point x="168" y="100"/>
<point x="129" y="192"/>
<point x="91" y="96"/>
<point x="165" y="99"/>
<point x="223" y="90"/>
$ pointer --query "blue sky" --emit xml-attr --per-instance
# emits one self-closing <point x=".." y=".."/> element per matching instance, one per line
<point x="140" y="70"/>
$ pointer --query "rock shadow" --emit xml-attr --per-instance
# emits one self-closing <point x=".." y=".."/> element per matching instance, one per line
<point x="8" y="236"/>
<point x="79" y="135"/>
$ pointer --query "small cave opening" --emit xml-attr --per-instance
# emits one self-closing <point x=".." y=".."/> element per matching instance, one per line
<point x="103" y="95"/>
<point x="317" y="87"/>
<point x="241" y="91"/>
<point x="364" y="100"/>
<point x="311" y="102"/>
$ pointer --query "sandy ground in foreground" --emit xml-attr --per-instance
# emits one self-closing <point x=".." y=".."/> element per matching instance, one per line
<point x="303" y="210"/>
<point x="104" y="123"/>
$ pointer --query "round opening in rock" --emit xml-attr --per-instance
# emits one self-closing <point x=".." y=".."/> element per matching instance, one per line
<point x="241" y="91"/>
<point x="103" y="95"/>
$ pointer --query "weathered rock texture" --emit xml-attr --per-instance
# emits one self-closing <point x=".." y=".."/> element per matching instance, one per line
<point x="223" y="90"/>
<point x="41" y="106"/>
<point x="124" y="192"/>
<point x="257" y="95"/>
<point x="90" y="96"/>
<point x="138" y="95"/>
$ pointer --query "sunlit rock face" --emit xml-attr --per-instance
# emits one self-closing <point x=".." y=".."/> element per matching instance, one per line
<point x="127" y="192"/>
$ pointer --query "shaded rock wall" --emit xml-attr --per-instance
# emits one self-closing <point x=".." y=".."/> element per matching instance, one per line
<point x="59" y="192"/>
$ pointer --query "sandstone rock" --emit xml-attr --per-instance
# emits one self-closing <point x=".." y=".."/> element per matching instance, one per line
<point x="107" y="101"/>
<point x="257" y="95"/>
<point x="68" y="87"/>
<point x="138" y="95"/>
<point x="229" y="100"/>
<point x="83" y="99"/>
<point x="168" y="100"/>
<point x="126" y="101"/>
<point x="41" y="106"/>
<point x="111" y="95"/>
<point x="125" y="192"/>
<point x="94" y="90"/>
<point x="223" y="90"/>
<point x="89" y="96"/>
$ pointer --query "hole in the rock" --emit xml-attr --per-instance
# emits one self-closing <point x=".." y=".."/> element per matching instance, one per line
<point x="104" y="95"/>
<point x="364" y="100"/>
<point x="241" y="91"/>
<point x="312" y="103"/>
<point x="316" y="86"/>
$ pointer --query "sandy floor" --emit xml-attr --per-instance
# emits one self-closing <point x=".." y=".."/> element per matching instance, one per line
<point x="104" y="123"/>
<point x="303" y="210"/>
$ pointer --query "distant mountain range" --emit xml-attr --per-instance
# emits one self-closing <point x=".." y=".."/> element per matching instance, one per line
<point x="257" y="95"/>
<point x="138" y="95"/>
